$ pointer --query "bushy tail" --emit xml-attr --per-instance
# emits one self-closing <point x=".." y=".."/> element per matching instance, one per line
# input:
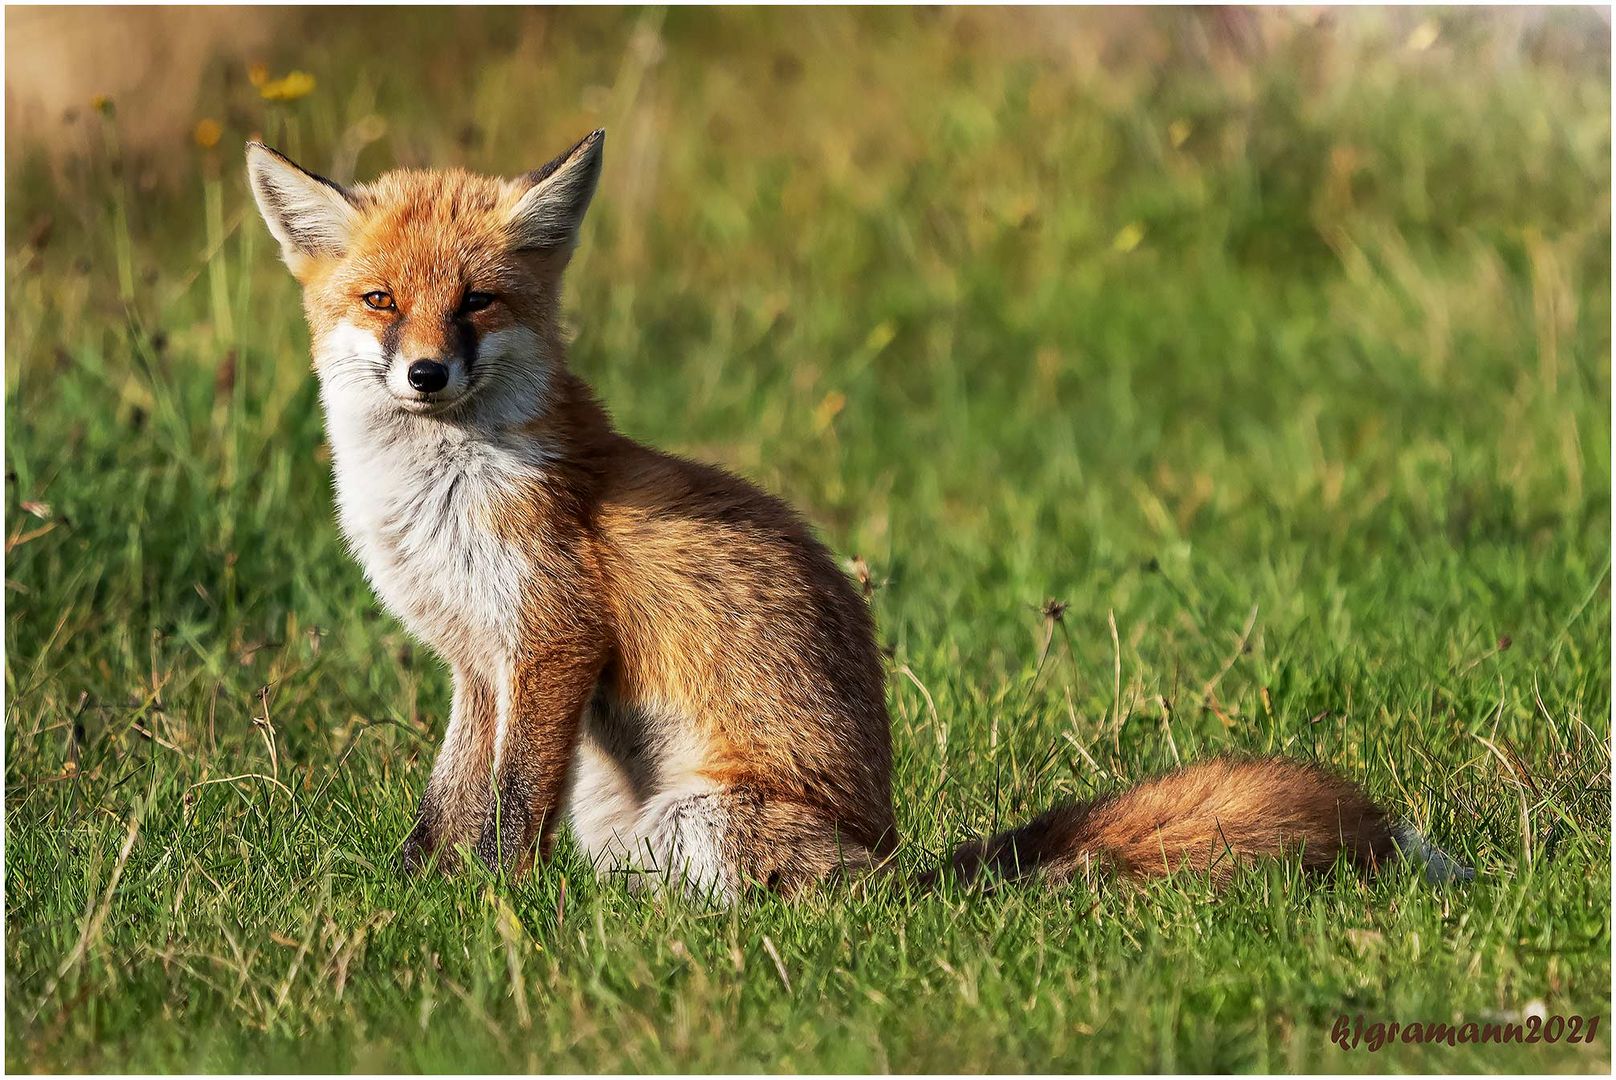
<point x="1206" y="818"/>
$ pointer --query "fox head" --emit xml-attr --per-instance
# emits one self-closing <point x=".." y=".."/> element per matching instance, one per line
<point x="431" y="293"/>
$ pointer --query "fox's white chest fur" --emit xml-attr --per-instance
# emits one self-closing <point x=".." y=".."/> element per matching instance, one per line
<point x="416" y="502"/>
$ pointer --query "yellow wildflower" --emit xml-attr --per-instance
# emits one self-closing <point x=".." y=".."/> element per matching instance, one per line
<point x="207" y="133"/>
<point x="289" y="87"/>
<point x="1128" y="237"/>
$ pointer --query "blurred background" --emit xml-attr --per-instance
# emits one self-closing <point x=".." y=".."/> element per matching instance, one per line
<point x="1169" y="268"/>
<point x="1174" y="380"/>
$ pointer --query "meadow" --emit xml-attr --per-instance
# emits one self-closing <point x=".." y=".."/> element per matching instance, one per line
<point x="1179" y="383"/>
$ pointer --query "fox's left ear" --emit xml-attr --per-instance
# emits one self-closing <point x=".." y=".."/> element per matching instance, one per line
<point x="310" y="215"/>
<point x="548" y="215"/>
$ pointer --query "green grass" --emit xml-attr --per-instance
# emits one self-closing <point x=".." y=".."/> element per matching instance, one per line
<point x="1290" y="375"/>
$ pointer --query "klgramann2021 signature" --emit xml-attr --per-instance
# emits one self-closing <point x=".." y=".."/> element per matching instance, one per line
<point x="1352" y="1032"/>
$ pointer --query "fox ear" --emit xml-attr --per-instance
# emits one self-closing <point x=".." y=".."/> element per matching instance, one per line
<point x="548" y="215"/>
<point x="309" y="215"/>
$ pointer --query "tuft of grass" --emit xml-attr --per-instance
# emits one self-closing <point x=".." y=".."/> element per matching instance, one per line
<point x="1277" y="352"/>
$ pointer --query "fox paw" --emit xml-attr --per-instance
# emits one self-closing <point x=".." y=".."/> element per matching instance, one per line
<point x="420" y="849"/>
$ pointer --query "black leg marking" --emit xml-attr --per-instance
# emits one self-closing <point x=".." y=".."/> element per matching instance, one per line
<point x="508" y="831"/>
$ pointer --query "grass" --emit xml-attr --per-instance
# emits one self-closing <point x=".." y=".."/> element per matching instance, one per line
<point x="1286" y="368"/>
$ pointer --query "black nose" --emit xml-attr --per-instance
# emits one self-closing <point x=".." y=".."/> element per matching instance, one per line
<point x="428" y="376"/>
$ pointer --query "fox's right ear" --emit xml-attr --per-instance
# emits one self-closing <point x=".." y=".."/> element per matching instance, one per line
<point x="310" y="215"/>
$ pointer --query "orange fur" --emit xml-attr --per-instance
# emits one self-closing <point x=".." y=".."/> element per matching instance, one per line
<point x="1207" y="818"/>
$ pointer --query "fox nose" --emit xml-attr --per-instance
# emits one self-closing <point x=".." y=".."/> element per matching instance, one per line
<point x="428" y="376"/>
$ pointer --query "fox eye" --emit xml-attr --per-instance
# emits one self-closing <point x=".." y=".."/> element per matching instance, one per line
<point x="381" y="301"/>
<point x="476" y="301"/>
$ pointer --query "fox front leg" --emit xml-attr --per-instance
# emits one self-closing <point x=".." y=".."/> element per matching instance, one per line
<point x="534" y="753"/>
<point x="458" y="792"/>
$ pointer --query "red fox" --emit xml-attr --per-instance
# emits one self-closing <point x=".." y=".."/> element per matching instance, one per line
<point x="655" y="648"/>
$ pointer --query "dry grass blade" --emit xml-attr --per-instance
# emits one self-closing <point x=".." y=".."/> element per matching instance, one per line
<point x="779" y="965"/>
